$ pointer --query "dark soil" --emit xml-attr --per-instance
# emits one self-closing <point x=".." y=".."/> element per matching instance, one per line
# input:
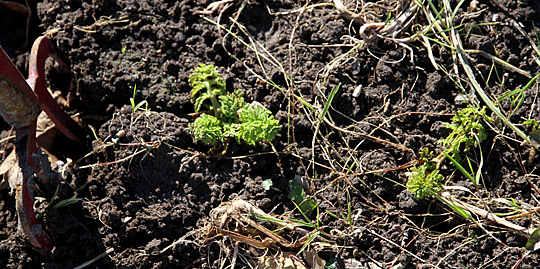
<point x="155" y="184"/>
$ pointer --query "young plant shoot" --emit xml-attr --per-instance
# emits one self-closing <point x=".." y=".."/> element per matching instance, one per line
<point x="467" y="131"/>
<point x="226" y="115"/>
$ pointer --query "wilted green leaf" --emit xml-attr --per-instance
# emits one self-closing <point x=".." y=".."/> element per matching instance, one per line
<point x="533" y="243"/>
<point x="298" y="195"/>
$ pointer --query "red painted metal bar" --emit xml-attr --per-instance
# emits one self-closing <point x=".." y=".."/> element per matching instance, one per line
<point x="41" y="50"/>
<point x="25" y="146"/>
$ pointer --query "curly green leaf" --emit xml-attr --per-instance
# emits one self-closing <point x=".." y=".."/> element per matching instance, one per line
<point x="257" y="124"/>
<point x="207" y="129"/>
<point x="423" y="183"/>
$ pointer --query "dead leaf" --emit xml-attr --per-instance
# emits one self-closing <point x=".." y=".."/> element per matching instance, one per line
<point x="9" y="170"/>
<point x="45" y="136"/>
<point x="313" y="260"/>
<point x="283" y="261"/>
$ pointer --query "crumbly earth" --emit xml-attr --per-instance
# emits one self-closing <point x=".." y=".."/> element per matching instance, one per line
<point x="144" y="183"/>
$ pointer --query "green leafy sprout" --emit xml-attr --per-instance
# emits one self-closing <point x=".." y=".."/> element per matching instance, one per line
<point x="467" y="131"/>
<point x="466" y="127"/>
<point x="425" y="181"/>
<point x="135" y="107"/>
<point x="225" y="115"/>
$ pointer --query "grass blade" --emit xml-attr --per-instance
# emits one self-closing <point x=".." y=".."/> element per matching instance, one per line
<point x="460" y="167"/>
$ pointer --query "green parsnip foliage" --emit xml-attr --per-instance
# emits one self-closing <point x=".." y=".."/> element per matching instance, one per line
<point x="232" y="117"/>
<point x="258" y="124"/>
<point x="466" y="125"/>
<point x="208" y="129"/>
<point x="230" y="105"/>
<point x="467" y="130"/>
<point x="424" y="183"/>
<point x="206" y="84"/>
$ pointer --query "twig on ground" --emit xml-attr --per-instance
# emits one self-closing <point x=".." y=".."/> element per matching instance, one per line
<point x="109" y="250"/>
